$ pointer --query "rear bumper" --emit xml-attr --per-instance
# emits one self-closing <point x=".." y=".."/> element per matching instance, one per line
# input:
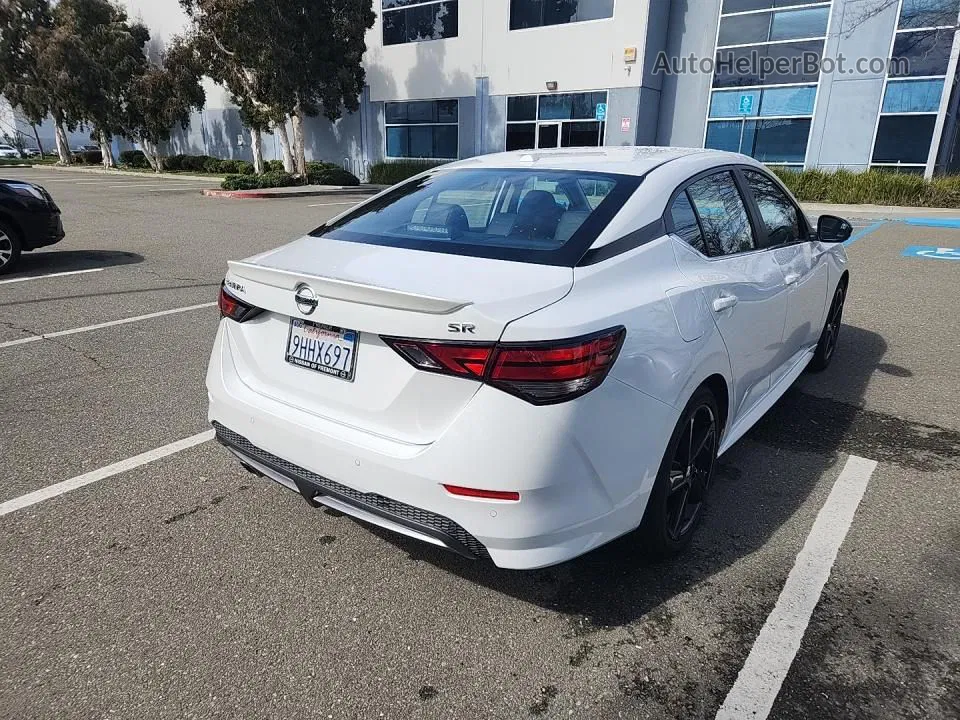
<point x="584" y="469"/>
<point x="318" y="490"/>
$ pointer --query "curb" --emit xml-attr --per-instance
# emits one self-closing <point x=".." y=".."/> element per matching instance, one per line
<point x="294" y="192"/>
<point x="15" y="165"/>
<point x="133" y="173"/>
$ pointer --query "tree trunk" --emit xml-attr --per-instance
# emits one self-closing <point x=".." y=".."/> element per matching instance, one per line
<point x="299" y="143"/>
<point x="150" y="154"/>
<point x="281" y="131"/>
<point x="36" y="136"/>
<point x="63" y="148"/>
<point x="256" y="144"/>
<point x="105" y="150"/>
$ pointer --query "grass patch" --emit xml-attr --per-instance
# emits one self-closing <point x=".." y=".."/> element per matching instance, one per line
<point x="395" y="171"/>
<point x="876" y="187"/>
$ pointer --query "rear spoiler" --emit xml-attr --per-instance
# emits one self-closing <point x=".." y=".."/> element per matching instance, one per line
<point x="346" y="290"/>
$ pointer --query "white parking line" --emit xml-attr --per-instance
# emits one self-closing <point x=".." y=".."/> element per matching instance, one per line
<point x="350" y="202"/>
<point x="50" y="275"/>
<point x="182" y="188"/>
<point x="757" y="685"/>
<point x="52" y="491"/>
<point x="98" y="326"/>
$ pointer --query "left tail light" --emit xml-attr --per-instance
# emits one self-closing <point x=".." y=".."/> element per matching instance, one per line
<point x="231" y="307"/>
<point x="541" y="373"/>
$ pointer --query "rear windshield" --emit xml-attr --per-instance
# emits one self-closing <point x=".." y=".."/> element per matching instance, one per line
<point x="542" y="216"/>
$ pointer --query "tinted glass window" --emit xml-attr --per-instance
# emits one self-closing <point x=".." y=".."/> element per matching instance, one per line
<point x="685" y="223"/>
<point x="928" y="13"/>
<point x="571" y="106"/>
<point x="774" y="141"/>
<point x="780" y="217"/>
<point x="523" y="107"/>
<point x="421" y="112"/>
<point x="732" y="6"/>
<point x="762" y="27"/>
<point x="431" y="21"/>
<point x="912" y="96"/>
<point x="580" y="134"/>
<point x="723" y="217"/>
<point x="903" y="138"/>
<point x="744" y="29"/>
<point x="789" y="63"/>
<point x="431" y="141"/>
<point x="521" y="136"/>
<point x="536" y="13"/>
<point x="792" y="24"/>
<point x="921" y="53"/>
<point x="766" y="103"/>
<point x="524" y="215"/>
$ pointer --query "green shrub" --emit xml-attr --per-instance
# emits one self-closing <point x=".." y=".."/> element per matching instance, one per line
<point x="877" y="187"/>
<point x="331" y="175"/>
<point x="244" y="167"/>
<point x="271" y="179"/>
<point x="395" y="171"/>
<point x="134" y="159"/>
<point x="274" y="166"/>
<point x="88" y="157"/>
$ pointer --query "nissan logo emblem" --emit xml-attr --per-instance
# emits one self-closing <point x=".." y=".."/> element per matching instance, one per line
<point x="306" y="299"/>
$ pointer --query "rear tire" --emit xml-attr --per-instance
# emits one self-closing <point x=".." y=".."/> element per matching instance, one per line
<point x="9" y="248"/>
<point x="827" y="345"/>
<point x="676" y="504"/>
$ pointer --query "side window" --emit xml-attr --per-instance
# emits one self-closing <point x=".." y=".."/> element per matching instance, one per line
<point x="723" y="216"/>
<point x="685" y="222"/>
<point x="780" y="216"/>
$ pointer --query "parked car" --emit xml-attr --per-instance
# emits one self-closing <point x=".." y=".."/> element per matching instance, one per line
<point x="30" y="152"/>
<point x="29" y="219"/>
<point x="9" y="151"/>
<point x="85" y="148"/>
<point x="524" y="356"/>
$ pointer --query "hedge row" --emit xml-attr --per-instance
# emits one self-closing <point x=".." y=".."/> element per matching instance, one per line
<point x="317" y="174"/>
<point x="877" y="187"/>
<point x="395" y="171"/>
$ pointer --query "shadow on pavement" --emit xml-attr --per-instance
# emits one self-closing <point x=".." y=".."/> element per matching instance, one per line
<point x="760" y="484"/>
<point x="38" y="264"/>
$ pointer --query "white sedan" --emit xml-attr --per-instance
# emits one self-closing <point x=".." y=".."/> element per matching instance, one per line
<point x="9" y="152"/>
<point x="524" y="356"/>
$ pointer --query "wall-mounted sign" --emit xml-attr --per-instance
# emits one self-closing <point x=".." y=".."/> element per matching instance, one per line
<point x="746" y="104"/>
<point x="630" y="55"/>
<point x="601" y="113"/>
<point x="625" y="124"/>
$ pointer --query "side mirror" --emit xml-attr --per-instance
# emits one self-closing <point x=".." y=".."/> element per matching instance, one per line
<point x="832" y="229"/>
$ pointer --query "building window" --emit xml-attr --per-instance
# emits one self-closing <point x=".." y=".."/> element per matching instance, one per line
<point x="909" y="109"/>
<point x="556" y="120"/>
<point x="764" y="90"/>
<point x="537" y="13"/>
<point x="422" y="129"/>
<point x="406" y="21"/>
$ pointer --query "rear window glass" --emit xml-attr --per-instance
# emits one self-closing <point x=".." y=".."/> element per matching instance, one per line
<point x="543" y="216"/>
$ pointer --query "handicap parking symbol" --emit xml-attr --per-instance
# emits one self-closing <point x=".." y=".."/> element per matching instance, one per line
<point x="934" y="253"/>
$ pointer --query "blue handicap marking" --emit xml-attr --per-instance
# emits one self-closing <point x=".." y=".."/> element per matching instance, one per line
<point x="746" y="104"/>
<point x="601" y="112"/>
<point x="934" y="253"/>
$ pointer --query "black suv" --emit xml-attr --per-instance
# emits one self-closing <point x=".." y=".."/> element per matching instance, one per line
<point x="29" y="219"/>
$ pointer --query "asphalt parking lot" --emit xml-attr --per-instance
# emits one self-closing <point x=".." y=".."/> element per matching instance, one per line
<point x="183" y="587"/>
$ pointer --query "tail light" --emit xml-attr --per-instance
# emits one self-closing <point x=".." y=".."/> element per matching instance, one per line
<point x="541" y="373"/>
<point x="231" y="307"/>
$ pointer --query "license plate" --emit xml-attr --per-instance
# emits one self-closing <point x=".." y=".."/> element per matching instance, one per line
<point x="324" y="348"/>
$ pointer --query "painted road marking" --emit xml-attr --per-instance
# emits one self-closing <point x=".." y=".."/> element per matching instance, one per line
<point x="757" y="685"/>
<point x="50" y="275"/>
<point x="934" y="222"/>
<point x="866" y="231"/>
<point x="98" y="326"/>
<point x="52" y="491"/>
<point x="934" y="253"/>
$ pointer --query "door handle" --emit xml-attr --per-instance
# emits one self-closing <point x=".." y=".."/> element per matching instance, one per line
<point x="791" y="278"/>
<point x="724" y="302"/>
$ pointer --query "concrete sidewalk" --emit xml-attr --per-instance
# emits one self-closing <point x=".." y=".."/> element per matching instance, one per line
<point x="98" y="170"/>
<point x="296" y="191"/>
<point x="880" y="212"/>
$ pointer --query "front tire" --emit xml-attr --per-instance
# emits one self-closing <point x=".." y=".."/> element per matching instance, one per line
<point x="831" y="331"/>
<point x="9" y="248"/>
<point x="676" y="504"/>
